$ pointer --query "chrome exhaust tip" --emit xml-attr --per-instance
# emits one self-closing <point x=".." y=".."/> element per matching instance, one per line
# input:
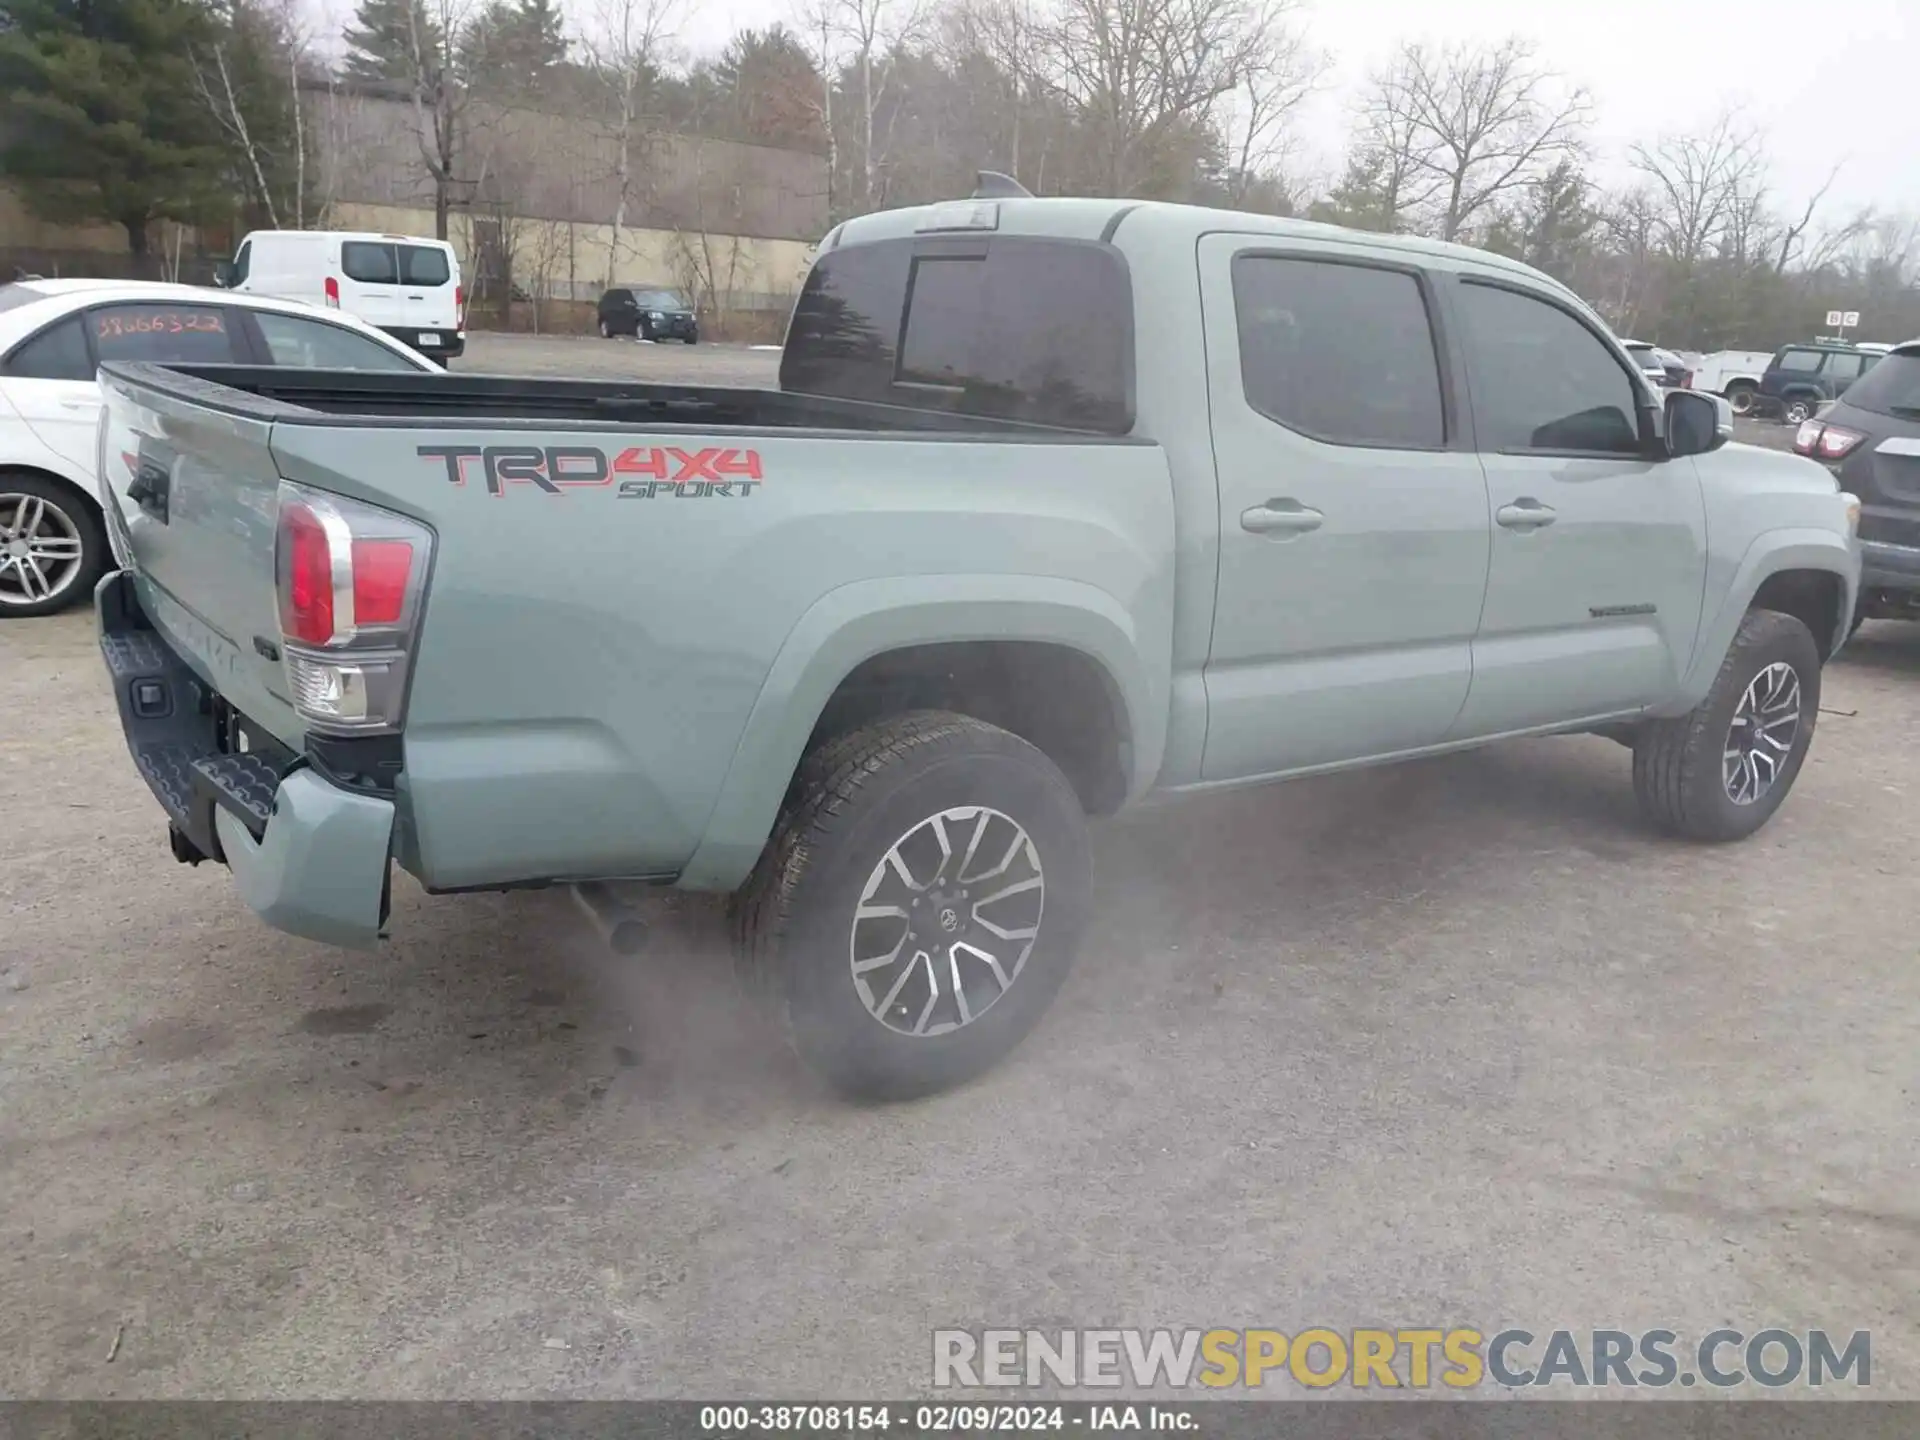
<point x="619" y="925"/>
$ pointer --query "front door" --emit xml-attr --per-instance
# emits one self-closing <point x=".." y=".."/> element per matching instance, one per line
<point x="1353" y="513"/>
<point x="1599" y="553"/>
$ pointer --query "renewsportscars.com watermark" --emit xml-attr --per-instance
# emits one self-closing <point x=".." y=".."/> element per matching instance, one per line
<point x="1418" y="1358"/>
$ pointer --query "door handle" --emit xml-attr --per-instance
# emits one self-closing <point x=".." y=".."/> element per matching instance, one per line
<point x="1284" y="516"/>
<point x="1526" y="513"/>
<point x="79" y="404"/>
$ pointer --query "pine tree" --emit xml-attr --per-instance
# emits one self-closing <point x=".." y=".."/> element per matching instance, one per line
<point x="393" y="40"/>
<point x="515" y="48"/>
<point x="101" y="114"/>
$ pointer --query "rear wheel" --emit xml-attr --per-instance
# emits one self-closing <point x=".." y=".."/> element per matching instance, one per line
<point x="919" y="903"/>
<point x="1720" y="771"/>
<point x="1799" y="409"/>
<point x="53" y="546"/>
<point x="606" y="331"/>
<point x="1740" y="397"/>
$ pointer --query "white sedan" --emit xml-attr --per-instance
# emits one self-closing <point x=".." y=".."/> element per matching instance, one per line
<point x="54" y="334"/>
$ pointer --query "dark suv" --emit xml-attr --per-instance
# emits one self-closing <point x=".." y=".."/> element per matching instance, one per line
<point x="647" y="315"/>
<point x="1802" y="376"/>
<point x="1871" y="441"/>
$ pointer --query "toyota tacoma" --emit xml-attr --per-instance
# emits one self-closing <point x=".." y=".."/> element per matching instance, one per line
<point x="1059" y="502"/>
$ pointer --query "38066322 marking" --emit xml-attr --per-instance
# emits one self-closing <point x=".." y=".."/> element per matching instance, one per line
<point x="640" y="472"/>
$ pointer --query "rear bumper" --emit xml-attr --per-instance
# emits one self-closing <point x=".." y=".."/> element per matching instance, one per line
<point x="446" y="344"/>
<point x="307" y="856"/>
<point x="1888" y="567"/>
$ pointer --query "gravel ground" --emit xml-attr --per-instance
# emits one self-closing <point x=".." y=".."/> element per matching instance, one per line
<point x="1453" y="1043"/>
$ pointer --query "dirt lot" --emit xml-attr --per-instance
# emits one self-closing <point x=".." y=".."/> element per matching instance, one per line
<point x="1455" y="1043"/>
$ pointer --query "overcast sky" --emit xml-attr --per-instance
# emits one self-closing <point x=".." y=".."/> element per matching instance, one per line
<point x="1826" y="82"/>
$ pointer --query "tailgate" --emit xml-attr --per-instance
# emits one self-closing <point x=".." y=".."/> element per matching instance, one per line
<point x="1890" y="512"/>
<point x="198" y="531"/>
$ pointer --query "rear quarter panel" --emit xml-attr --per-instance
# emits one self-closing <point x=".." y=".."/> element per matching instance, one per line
<point x="615" y="676"/>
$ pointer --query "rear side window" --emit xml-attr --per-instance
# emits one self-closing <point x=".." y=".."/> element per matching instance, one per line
<point x="1339" y="352"/>
<point x="1015" y="327"/>
<point x="1891" y="387"/>
<point x="1542" y="380"/>
<point x="1804" y="361"/>
<point x="1842" y="367"/>
<point x="372" y="262"/>
<point x="58" y="352"/>
<point x="316" y="345"/>
<point x="166" y="334"/>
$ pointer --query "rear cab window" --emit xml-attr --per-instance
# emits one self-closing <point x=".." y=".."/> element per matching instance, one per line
<point x="1010" y="327"/>
<point x="381" y="262"/>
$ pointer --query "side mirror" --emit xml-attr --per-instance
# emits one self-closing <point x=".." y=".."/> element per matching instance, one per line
<point x="223" y="274"/>
<point x="1697" y="422"/>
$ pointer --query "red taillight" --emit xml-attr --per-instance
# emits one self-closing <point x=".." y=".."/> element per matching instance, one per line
<point x="1836" y="442"/>
<point x="380" y="572"/>
<point x="460" y="307"/>
<point x="333" y="292"/>
<point x="306" y="578"/>
<point x="351" y="580"/>
<point x="1820" y="441"/>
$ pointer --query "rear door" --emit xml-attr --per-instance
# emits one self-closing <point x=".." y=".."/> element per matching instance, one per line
<point x="398" y="285"/>
<point x="1353" y="512"/>
<point x="50" y="382"/>
<point x="1840" y="371"/>
<point x="1599" y="553"/>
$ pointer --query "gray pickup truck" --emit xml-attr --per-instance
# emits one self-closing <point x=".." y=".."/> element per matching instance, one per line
<point x="1059" y="503"/>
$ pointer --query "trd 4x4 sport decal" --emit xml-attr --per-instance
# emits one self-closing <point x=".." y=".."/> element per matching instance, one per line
<point x="641" y="471"/>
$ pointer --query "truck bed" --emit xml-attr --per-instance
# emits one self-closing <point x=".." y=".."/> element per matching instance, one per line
<point x="505" y="401"/>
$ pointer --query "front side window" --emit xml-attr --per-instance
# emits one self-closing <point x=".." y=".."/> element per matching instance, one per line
<point x="316" y="345"/>
<point x="241" y="261"/>
<point x="165" y="334"/>
<point x="1542" y="380"/>
<point x="58" y="352"/>
<point x="1801" y="361"/>
<point x="1338" y="352"/>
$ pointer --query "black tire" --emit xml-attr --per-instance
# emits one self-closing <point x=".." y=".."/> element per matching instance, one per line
<point x="1678" y="773"/>
<point x="606" y="331"/>
<point x="1740" y="397"/>
<point x="858" y="798"/>
<point x="69" y="513"/>
<point x="692" y="339"/>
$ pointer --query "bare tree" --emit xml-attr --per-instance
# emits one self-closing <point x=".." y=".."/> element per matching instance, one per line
<point x="1472" y="126"/>
<point x="1141" y="73"/>
<point x="626" y="51"/>
<point x="217" y="93"/>
<point x="871" y="32"/>
<point x="1698" y="183"/>
<point x="442" y="101"/>
<point x="1278" y="80"/>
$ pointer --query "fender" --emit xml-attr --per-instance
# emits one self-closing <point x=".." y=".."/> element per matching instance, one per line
<point x="1772" y="551"/>
<point x="858" y="621"/>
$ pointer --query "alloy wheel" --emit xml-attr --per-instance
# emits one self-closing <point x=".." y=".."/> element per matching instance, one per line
<point x="41" y="549"/>
<point x="1765" y="725"/>
<point x="947" y="920"/>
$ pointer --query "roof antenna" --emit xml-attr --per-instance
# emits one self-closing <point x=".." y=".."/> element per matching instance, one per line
<point x="992" y="185"/>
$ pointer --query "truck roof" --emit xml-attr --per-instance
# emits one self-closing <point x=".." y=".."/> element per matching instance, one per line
<point x="1099" y="219"/>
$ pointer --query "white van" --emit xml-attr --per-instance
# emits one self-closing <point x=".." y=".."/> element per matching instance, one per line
<point x="406" y="285"/>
